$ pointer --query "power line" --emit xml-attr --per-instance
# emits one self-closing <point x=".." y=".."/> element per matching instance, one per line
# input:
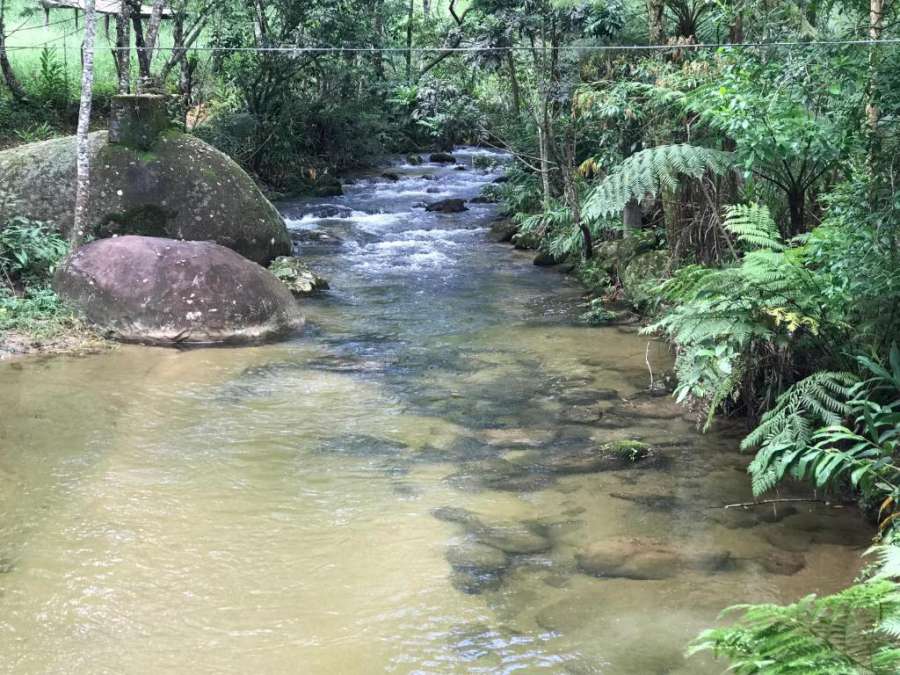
<point x="568" y="48"/>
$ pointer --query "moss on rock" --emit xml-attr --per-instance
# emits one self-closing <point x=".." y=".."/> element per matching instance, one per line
<point x="181" y="188"/>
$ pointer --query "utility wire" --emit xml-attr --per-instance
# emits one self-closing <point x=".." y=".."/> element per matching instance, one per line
<point x="569" y="48"/>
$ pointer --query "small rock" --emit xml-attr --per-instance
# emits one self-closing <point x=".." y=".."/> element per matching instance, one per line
<point x="391" y="176"/>
<point x="503" y="230"/>
<point x="544" y="259"/>
<point x="296" y="275"/>
<point x="500" y="179"/>
<point x="471" y="556"/>
<point x="646" y="559"/>
<point x="782" y="562"/>
<point x="414" y="160"/>
<point x="448" y="206"/>
<point x="483" y="199"/>
<point x="442" y="158"/>
<point x="459" y="167"/>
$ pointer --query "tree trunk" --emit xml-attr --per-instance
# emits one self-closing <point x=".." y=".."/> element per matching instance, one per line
<point x="378" y="28"/>
<point x="409" y="40"/>
<point x="426" y="8"/>
<point x="797" y="207"/>
<point x="876" y="25"/>
<point x="9" y="77"/>
<point x="513" y="82"/>
<point x="655" y="25"/>
<point x="632" y="217"/>
<point x="140" y="45"/>
<point x="123" y="48"/>
<point x="83" y="165"/>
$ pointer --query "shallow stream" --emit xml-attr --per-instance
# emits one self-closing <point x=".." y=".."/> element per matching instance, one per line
<point x="412" y="485"/>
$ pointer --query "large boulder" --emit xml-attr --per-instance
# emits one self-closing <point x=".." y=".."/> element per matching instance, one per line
<point x="164" y="291"/>
<point x="180" y="188"/>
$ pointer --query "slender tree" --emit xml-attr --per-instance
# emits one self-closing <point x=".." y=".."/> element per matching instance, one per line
<point x="83" y="162"/>
<point x="9" y="77"/>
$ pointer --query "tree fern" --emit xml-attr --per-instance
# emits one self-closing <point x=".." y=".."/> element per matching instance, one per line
<point x="646" y="172"/>
<point x="752" y="224"/>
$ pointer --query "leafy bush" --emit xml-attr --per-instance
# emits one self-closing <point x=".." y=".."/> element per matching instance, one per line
<point x="836" y="430"/>
<point x="29" y="250"/>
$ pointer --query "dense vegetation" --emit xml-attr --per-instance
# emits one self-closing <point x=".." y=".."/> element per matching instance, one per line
<point x="743" y="196"/>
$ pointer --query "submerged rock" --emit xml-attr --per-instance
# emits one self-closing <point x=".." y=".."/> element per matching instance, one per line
<point x="448" y="206"/>
<point x="782" y="562"/>
<point x="647" y="559"/>
<point x="180" y="188"/>
<point x="162" y="291"/>
<point x="296" y="275"/>
<point x="471" y="556"/>
<point x="442" y="158"/>
<point x="511" y="537"/>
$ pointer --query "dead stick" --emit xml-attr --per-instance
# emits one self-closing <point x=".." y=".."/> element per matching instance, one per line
<point x="745" y="505"/>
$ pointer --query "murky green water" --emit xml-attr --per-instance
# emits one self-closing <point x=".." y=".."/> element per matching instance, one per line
<point x="299" y="507"/>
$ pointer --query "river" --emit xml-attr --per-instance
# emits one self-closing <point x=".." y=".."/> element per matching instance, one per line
<point x="406" y="487"/>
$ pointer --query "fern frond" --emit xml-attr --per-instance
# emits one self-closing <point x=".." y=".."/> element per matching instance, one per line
<point x="752" y="224"/>
<point x="646" y="172"/>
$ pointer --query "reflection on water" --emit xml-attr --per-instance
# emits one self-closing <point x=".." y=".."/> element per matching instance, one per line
<point x="430" y="479"/>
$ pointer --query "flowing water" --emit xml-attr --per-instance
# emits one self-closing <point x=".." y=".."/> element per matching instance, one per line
<point x="408" y="486"/>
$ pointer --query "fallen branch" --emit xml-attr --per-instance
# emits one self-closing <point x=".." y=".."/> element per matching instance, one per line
<point x="763" y="502"/>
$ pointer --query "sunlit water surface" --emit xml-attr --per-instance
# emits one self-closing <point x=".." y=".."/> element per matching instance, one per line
<point x="273" y="509"/>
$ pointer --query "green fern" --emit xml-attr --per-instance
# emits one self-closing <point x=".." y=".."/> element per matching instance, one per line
<point x="849" y="633"/>
<point x="644" y="173"/>
<point x="752" y="224"/>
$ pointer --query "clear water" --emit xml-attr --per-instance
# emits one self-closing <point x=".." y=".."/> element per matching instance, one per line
<point x="273" y="509"/>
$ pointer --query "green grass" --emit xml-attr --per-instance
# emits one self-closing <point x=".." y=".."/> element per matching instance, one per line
<point x="25" y="25"/>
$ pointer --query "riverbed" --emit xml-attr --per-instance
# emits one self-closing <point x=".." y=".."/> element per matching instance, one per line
<point x="409" y="486"/>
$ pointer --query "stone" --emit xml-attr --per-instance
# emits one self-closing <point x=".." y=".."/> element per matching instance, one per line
<point x="448" y="206"/>
<point x="414" y="160"/>
<point x="391" y="176"/>
<point x="296" y="275"/>
<point x="315" y="237"/>
<point x="503" y="230"/>
<point x="646" y="559"/>
<point x="500" y="179"/>
<point x="643" y="275"/>
<point x="460" y="167"/>
<point x="483" y="199"/>
<point x="442" y="158"/>
<point x="472" y="556"/>
<point x="785" y="563"/>
<point x="181" y="188"/>
<point x="163" y="291"/>
<point x="137" y="121"/>
<point x="544" y="259"/>
<point x="587" y="395"/>
<point x="475" y="583"/>
<point x="511" y="537"/>
<point x="581" y="414"/>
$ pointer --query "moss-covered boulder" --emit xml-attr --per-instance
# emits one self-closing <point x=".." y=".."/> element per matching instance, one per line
<point x="163" y="291"/>
<point x="643" y="276"/>
<point x="181" y="188"/>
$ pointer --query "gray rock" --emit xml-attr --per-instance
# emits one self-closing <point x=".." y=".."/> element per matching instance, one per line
<point x="475" y="557"/>
<point x="296" y="275"/>
<point x="503" y="230"/>
<point x="162" y="291"/>
<point x="442" y="158"/>
<point x="448" y="206"/>
<point x="646" y="559"/>
<point x="181" y="188"/>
